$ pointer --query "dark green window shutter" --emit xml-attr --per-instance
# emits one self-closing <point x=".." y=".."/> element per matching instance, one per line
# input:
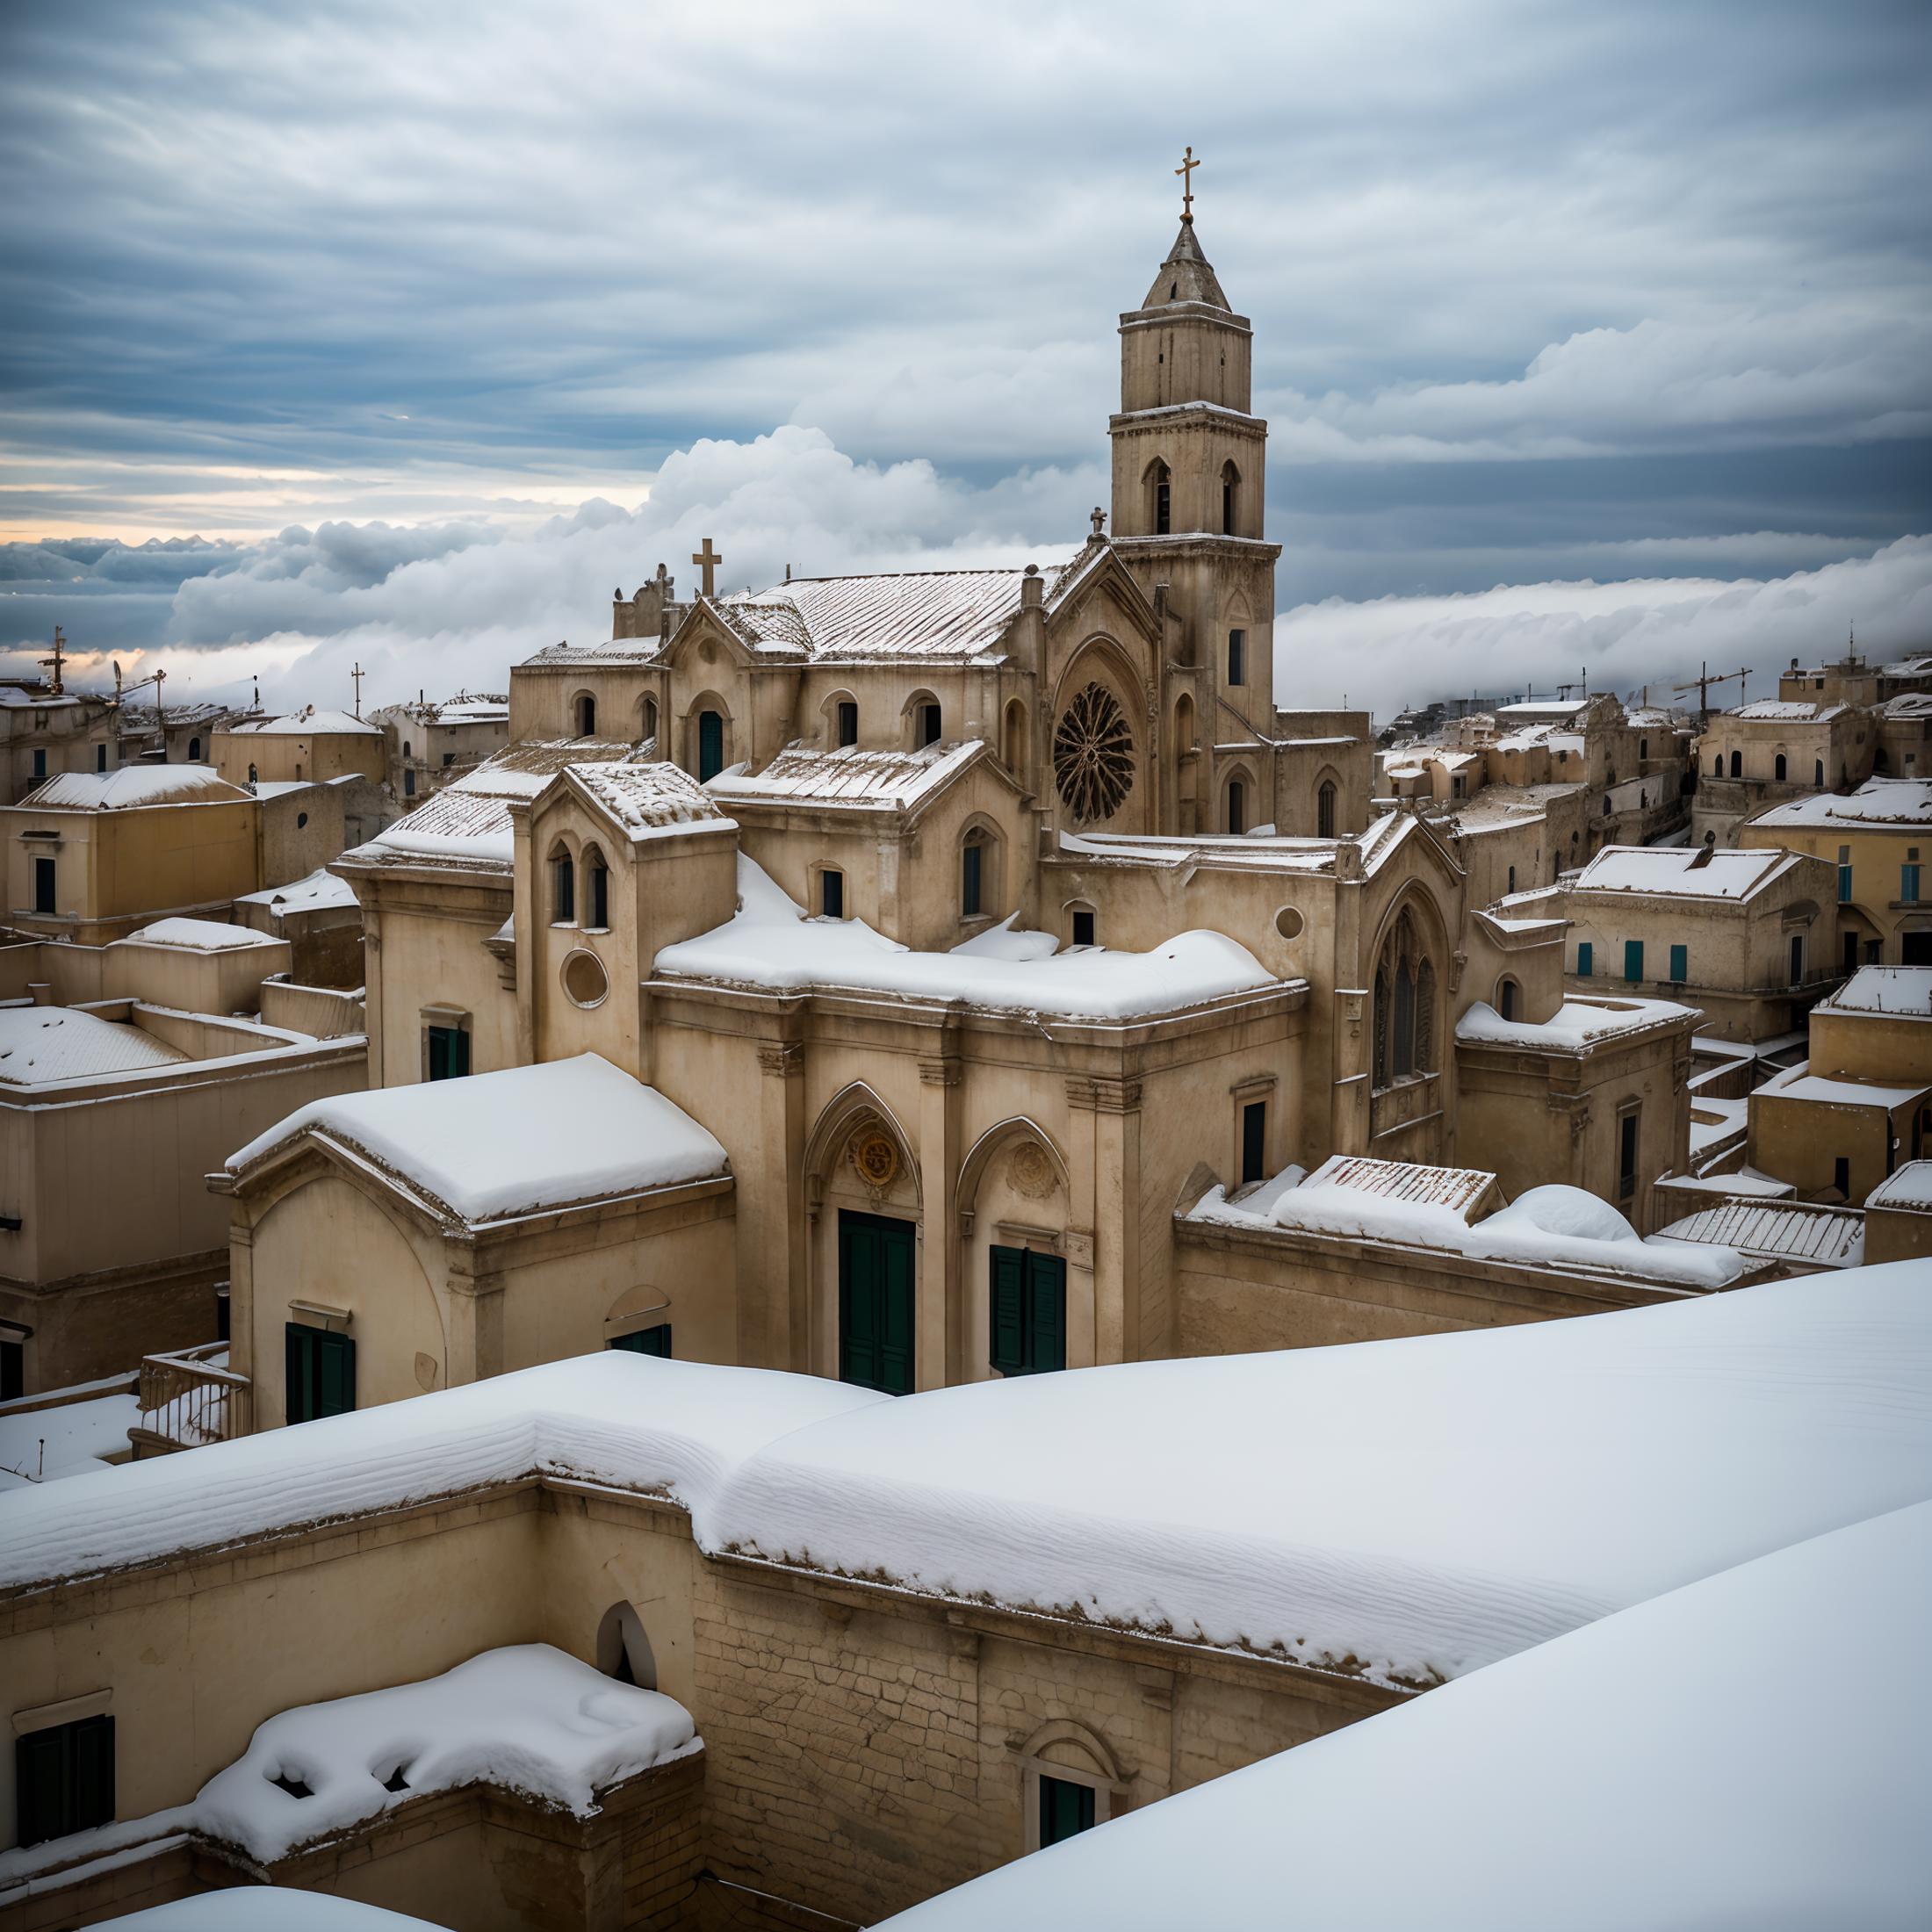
<point x="439" y="1053"/>
<point x="1680" y="963"/>
<point x="1633" y="960"/>
<point x="710" y="744"/>
<point x="39" y="1774"/>
<point x="460" y="1053"/>
<point x="336" y="1373"/>
<point x="1046" y="1314"/>
<point x="299" y="1388"/>
<point x="1585" y="959"/>
<point x="1008" y="1299"/>
<point x="971" y="856"/>
<point x="1254" y="1142"/>
<point x="896" y="1329"/>
<point x="1066" y="1809"/>
<point x="93" y="1771"/>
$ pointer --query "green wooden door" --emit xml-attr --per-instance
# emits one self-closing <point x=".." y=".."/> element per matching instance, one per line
<point x="875" y="1292"/>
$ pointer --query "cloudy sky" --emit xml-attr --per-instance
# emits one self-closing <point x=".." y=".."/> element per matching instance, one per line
<point x="402" y="333"/>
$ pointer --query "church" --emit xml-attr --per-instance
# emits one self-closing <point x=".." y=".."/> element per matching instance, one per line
<point x="971" y="927"/>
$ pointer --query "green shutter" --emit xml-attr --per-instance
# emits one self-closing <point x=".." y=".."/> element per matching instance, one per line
<point x="93" y="1787"/>
<point x="896" y="1329"/>
<point x="876" y="1302"/>
<point x="460" y="1053"/>
<point x="1680" y="963"/>
<point x="1046" y="1313"/>
<point x="335" y="1363"/>
<point x="439" y="1053"/>
<point x="1585" y="959"/>
<point x="1066" y="1809"/>
<point x="710" y="744"/>
<point x="1633" y="960"/>
<point x="1008" y="1309"/>
<point x="40" y="1772"/>
<point x="1254" y="1142"/>
<point x="299" y="1386"/>
<point x="650" y="1341"/>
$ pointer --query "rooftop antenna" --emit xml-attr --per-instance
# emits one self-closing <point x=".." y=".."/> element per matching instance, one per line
<point x="60" y="648"/>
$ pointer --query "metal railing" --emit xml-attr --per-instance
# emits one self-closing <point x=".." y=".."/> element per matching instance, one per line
<point x="191" y="1397"/>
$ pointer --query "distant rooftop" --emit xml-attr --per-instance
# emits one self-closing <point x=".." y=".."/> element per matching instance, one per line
<point x="1904" y="991"/>
<point x="133" y="785"/>
<point x="308" y="723"/>
<point x="42" y="1044"/>
<point x="1877" y="801"/>
<point x="1679" y="872"/>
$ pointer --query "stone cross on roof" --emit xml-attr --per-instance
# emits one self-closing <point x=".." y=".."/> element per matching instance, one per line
<point x="707" y="560"/>
<point x="1099" y="521"/>
<point x="1187" y="173"/>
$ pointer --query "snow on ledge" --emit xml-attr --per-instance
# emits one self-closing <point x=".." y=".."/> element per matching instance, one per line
<point x="200" y="936"/>
<point x="770" y="942"/>
<point x="1578" y="1025"/>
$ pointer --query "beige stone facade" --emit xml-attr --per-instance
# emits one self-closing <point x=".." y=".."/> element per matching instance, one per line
<point x="1778" y="748"/>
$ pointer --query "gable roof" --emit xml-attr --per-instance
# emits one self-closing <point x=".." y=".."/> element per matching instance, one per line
<point x="646" y="801"/>
<point x="853" y="780"/>
<point x="1682" y="872"/>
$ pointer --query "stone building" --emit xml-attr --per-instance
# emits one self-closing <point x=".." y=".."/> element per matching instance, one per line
<point x="1776" y="749"/>
<point x="980" y="914"/>
<point x="1873" y="838"/>
<point x="904" y="1642"/>
<point x="432" y="742"/>
<point x="309" y="746"/>
<point x="1749" y="937"/>
<point x="127" y="1072"/>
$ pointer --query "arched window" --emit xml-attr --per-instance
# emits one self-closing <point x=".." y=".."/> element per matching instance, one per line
<point x="1512" y="879"/>
<point x="1717" y="766"/>
<point x="972" y="874"/>
<point x="563" y="888"/>
<point x="847" y="720"/>
<point x="1161" y="489"/>
<point x="1230" y="498"/>
<point x="597" y="890"/>
<point x="624" y="1648"/>
<point x="1324" y="810"/>
<point x="1778" y="768"/>
<point x="1737" y="764"/>
<point x="1817" y="773"/>
<point x="194" y="750"/>
<point x="1643" y="748"/>
<point x="1506" y="999"/>
<point x="406" y="752"/>
<point x="1404" y="1039"/>
<point x="1013" y="737"/>
<point x="1238" y="806"/>
<point x="587" y="716"/>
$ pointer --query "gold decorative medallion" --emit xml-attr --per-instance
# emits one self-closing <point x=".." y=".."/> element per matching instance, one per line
<point x="876" y="1158"/>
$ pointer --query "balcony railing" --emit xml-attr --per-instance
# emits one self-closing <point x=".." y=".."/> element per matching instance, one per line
<point x="189" y="1397"/>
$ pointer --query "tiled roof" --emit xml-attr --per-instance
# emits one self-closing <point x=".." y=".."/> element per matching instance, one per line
<point x="876" y="781"/>
<point x="1780" y="1230"/>
<point x="1460" y="1189"/>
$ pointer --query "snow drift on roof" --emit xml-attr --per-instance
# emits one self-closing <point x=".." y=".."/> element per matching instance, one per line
<point x="200" y="936"/>
<point x="1787" y="711"/>
<point x="42" y="1044"/>
<point x="1898" y="990"/>
<point x="1908" y="1186"/>
<point x="1409" y="1510"/>
<point x="1877" y="801"/>
<point x="527" y="1717"/>
<point x="769" y="941"/>
<point x="321" y="890"/>
<point x="135" y="785"/>
<point x="515" y="1142"/>
<point x="1578" y="1023"/>
<point x="1674" y="1767"/>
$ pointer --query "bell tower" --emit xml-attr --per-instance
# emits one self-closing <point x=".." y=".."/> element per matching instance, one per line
<point x="1189" y="495"/>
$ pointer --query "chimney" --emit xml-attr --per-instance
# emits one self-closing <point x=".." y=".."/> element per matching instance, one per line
<point x="1033" y="588"/>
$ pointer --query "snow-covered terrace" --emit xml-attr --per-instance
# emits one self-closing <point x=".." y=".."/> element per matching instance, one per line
<point x="1666" y="1768"/>
<point x="1405" y="1511"/>
<point x="1900" y="991"/>
<point x="1578" y="1025"/>
<point x="771" y="944"/>
<point x="1877" y="801"/>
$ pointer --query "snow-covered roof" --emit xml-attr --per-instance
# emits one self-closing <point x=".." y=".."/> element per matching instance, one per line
<point x="248" y="1907"/>
<point x="1908" y="668"/>
<point x="1460" y="1190"/>
<point x="1786" y="710"/>
<point x="1544" y="707"/>
<point x="1676" y="872"/>
<point x="133" y="785"/>
<point x="321" y="890"/>
<point x="1668" y="1442"/>
<point x="1909" y="1186"/>
<point x="69" y="1439"/>
<point x="307" y="723"/>
<point x="1901" y="991"/>
<point x="467" y="822"/>
<point x="1578" y="1025"/>
<point x="525" y="1140"/>
<point x="1908" y="704"/>
<point x="1877" y="801"/>
<point x="919" y="614"/>
<point x="771" y="942"/>
<point x="1799" y="1083"/>
<point x="42" y="1044"/>
<point x="850" y="779"/>
<point x="200" y="936"/>
<point x="466" y="708"/>
<point x="1776" y="1231"/>
<point x="1676" y="1766"/>
<point x="527" y="1718"/>
<point x="649" y="799"/>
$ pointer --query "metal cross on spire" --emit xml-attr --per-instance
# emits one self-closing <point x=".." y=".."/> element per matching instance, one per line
<point x="707" y="560"/>
<point x="1187" y="173"/>
<point x="357" y="675"/>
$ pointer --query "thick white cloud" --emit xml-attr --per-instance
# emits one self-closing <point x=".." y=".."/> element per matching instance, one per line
<point x="1391" y="651"/>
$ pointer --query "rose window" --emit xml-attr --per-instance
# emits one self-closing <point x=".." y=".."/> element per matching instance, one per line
<point x="1093" y="755"/>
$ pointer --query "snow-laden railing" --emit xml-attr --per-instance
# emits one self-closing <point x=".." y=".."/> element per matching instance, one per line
<point x="190" y="1396"/>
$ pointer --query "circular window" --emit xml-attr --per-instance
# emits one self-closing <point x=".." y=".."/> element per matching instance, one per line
<point x="1093" y="755"/>
<point x="1288" y="923"/>
<point x="584" y="979"/>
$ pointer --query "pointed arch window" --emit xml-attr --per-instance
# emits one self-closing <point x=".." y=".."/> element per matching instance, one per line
<point x="563" y="888"/>
<point x="1405" y="1030"/>
<point x="1230" y="498"/>
<point x="1161" y="488"/>
<point x="1324" y="810"/>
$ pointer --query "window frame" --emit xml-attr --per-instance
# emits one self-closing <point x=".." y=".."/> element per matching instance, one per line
<point x="329" y="1352"/>
<point x="831" y="893"/>
<point x="72" y="1808"/>
<point x="1237" y="656"/>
